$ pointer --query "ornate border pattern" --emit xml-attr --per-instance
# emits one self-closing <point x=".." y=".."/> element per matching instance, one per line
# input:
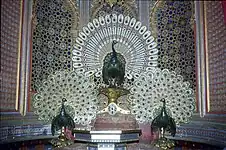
<point x="215" y="47"/>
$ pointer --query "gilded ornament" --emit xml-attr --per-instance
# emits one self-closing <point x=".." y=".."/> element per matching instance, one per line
<point x="113" y="94"/>
<point x="164" y="143"/>
<point x="62" y="140"/>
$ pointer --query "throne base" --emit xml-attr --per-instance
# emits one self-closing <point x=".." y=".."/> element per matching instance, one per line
<point x="107" y="140"/>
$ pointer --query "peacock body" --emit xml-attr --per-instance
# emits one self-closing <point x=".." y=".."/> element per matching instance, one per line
<point x="164" y="122"/>
<point x="113" y="71"/>
<point x="62" y="120"/>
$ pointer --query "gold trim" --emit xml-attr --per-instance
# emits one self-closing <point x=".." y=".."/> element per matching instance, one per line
<point x="74" y="5"/>
<point x="206" y="58"/>
<point x="74" y="10"/>
<point x="18" y="59"/>
<point x="153" y="20"/>
<point x="34" y="17"/>
<point x="153" y="8"/>
<point x="113" y="93"/>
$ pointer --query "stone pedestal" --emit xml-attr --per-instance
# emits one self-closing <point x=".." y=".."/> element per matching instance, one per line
<point x="116" y="122"/>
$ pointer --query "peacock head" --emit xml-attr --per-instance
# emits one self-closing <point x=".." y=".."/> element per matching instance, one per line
<point x="163" y="100"/>
<point x="114" y="42"/>
<point x="63" y="108"/>
<point x="64" y="100"/>
<point x="114" y="54"/>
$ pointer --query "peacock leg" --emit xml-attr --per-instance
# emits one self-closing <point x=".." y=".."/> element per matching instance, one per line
<point x="162" y="132"/>
<point x="62" y="134"/>
<point x="163" y="135"/>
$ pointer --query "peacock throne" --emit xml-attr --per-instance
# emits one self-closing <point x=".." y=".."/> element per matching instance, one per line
<point x="116" y="84"/>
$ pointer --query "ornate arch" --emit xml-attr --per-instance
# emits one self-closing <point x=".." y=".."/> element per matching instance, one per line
<point x="55" y="28"/>
<point x="172" y="24"/>
<point x="104" y="7"/>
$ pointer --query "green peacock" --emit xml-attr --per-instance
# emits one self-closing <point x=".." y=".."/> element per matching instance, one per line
<point x="113" y="71"/>
<point x="62" y="120"/>
<point x="164" y="122"/>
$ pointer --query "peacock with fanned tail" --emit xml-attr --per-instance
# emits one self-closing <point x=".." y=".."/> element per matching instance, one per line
<point x="113" y="71"/>
<point x="62" y="120"/>
<point x="164" y="122"/>
<point x="94" y="44"/>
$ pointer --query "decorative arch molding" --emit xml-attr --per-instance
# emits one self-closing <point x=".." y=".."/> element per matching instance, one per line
<point x="172" y="24"/>
<point x="104" y="7"/>
<point x="54" y="31"/>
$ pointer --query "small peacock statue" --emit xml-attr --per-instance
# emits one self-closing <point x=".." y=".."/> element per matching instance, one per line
<point x="113" y="71"/>
<point x="164" y="123"/>
<point x="62" y="121"/>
